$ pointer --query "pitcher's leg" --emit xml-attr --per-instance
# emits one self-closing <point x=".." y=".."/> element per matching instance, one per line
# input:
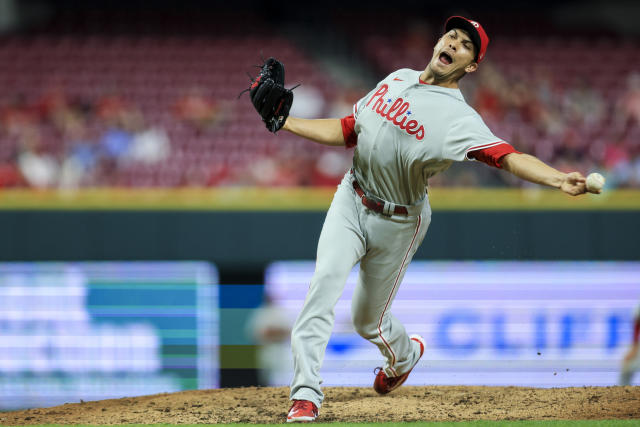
<point x="381" y="273"/>
<point x="340" y="247"/>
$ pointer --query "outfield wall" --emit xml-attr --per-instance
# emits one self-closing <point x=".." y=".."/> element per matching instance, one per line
<point x="248" y="240"/>
<point x="242" y="229"/>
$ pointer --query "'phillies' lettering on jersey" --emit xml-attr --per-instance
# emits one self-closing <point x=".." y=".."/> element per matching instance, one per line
<point x="396" y="112"/>
<point x="408" y="131"/>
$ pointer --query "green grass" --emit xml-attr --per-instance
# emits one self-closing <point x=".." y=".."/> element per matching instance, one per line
<point x="560" y="423"/>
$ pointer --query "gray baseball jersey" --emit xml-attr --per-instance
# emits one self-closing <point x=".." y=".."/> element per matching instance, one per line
<point x="408" y="131"/>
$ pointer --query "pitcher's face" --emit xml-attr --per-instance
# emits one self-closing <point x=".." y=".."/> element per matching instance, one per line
<point x="453" y="55"/>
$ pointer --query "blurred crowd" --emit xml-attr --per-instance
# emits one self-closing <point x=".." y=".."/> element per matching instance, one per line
<point x="62" y="142"/>
<point x="573" y="127"/>
<point x="200" y="137"/>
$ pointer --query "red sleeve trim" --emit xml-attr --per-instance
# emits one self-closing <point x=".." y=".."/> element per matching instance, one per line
<point x="348" y="131"/>
<point x="492" y="155"/>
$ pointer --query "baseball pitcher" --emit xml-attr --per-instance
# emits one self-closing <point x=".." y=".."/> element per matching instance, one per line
<point x="411" y="126"/>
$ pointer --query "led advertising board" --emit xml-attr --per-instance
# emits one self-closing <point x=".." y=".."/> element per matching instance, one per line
<point x="90" y="331"/>
<point x="541" y="324"/>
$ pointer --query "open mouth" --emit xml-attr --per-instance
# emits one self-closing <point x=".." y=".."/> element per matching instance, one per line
<point x="445" y="58"/>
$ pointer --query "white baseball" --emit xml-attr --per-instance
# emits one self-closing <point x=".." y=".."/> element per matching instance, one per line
<point x="595" y="182"/>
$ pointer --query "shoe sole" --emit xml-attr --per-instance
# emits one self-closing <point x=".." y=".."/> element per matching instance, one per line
<point x="301" y="419"/>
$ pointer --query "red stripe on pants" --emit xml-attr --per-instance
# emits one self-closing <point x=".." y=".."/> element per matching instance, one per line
<point x="393" y="361"/>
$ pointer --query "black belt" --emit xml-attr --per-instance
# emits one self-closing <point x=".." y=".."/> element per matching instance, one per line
<point x="379" y="206"/>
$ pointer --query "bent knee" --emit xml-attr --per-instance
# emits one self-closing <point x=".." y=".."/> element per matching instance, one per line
<point x="365" y="326"/>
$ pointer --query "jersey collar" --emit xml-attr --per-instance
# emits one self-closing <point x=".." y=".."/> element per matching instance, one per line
<point x="445" y="90"/>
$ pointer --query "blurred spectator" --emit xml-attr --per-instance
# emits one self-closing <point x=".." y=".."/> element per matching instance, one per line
<point x="631" y="360"/>
<point x="277" y="171"/>
<point x="218" y="174"/>
<point x="628" y="105"/>
<point x="583" y="105"/>
<point x="149" y="146"/>
<point x="198" y="110"/>
<point x="81" y="159"/>
<point x="122" y="123"/>
<point x="489" y="97"/>
<point x="331" y="167"/>
<point x="110" y="108"/>
<point x="10" y="176"/>
<point x="308" y="102"/>
<point x="39" y="168"/>
<point x="270" y="328"/>
<point x="342" y="104"/>
<point x="115" y="142"/>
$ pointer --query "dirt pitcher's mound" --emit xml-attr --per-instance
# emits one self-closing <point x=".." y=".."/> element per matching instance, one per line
<point x="348" y="404"/>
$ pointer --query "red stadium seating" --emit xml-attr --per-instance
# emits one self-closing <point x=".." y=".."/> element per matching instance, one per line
<point x="153" y="73"/>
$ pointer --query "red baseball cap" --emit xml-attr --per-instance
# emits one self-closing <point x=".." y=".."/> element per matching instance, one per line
<point x="478" y="36"/>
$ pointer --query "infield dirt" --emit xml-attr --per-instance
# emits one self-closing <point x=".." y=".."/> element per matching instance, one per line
<point x="347" y="404"/>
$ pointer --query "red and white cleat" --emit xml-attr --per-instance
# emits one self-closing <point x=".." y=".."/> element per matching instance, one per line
<point x="302" y="411"/>
<point x="383" y="384"/>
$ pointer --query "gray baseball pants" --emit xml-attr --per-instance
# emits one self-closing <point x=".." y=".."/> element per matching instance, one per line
<point x="384" y="246"/>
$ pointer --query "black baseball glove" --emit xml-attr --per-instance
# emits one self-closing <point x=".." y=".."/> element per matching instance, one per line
<point x="269" y="96"/>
